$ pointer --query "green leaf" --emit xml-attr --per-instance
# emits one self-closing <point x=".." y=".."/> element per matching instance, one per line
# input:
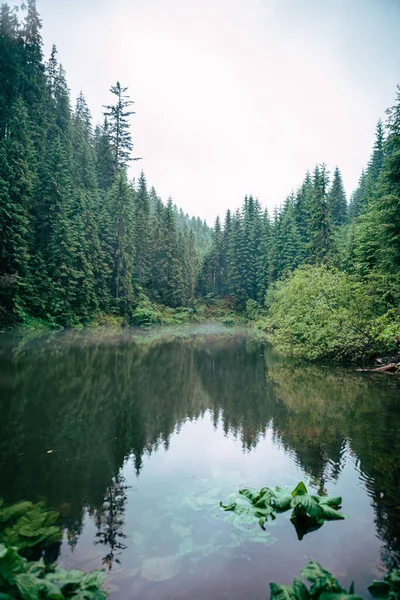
<point x="335" y="501"/>
<point x="282" y="592"/>
<point x="228" y="506"/>
<point x="300" y="489"/>
<point x="339" y="596"/>
<point x="300" y="589"/>
<point x="330" y="513"/>
<point x="306" y="505"/>
<point x="28" y="586"/>
<point x="379" y="589"/>
<point x="313" y="572"/>
<point x="282" y="503"/>
<point x="309" y="511"/>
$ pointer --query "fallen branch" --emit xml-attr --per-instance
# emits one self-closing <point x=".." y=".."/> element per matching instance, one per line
<point x="392" y="368"/>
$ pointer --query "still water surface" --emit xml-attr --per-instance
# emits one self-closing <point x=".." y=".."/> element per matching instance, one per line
<point x="135" y="437"/>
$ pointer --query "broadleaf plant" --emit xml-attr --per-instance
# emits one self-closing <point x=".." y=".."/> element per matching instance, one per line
<point x="324" y="586"/>
<point x="23" y="580"/>
<point x="26" y="525"/>
<point x="388" y="588"/>
<point x="309" y="512"/>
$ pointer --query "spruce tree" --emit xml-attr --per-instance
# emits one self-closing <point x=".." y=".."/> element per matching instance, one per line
<point x="337" y="200"/>
<point x="142" y="233"/>
<point x="119" y="132"/>
<point x="263" y="266"/>
<point x="16" y="194"/>
<point x="121" y="210"/>
<point x="321" y="247"/>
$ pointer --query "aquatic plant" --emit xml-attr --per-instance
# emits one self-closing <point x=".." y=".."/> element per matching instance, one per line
<point x="25" y="525"/>
<point x="23" y="580"/>
<point x="388" y="588"/>
<point x="309" y="512"/>
<point x="324" y="586"/>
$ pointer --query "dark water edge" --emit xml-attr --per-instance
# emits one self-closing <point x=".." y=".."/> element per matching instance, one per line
<point x="135" y="436"/>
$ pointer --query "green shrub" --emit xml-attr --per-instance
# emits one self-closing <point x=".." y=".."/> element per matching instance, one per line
<point x="322" y="313"/>
<point x="253" y="310"/>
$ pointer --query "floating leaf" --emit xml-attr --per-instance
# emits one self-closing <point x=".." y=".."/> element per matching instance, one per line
<point x="309" y="511"/>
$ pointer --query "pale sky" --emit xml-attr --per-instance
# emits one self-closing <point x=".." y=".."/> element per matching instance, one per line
<point x="235" y="97"/>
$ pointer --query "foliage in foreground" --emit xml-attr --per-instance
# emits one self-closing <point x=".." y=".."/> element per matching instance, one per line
<point x="388" y="588"/>
<point x="319" y="312"/>
<point x="24" y="526"/>
<point x="23" y="580"/>
<point x="309" y="512"/>
<point x="324" y="586"/>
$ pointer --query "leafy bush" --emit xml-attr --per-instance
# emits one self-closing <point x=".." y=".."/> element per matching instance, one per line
<point x="23" y="580"/>
<point x="253" y="310"/>
<point x="309" y="512"/>
<point x="386" y="330"/>
<point x="322" y="313"/>
<point x="229" y="319"/>
<point x="109" y="321"/>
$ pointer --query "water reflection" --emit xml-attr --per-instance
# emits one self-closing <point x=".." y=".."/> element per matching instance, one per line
<point x="76" y="407"/>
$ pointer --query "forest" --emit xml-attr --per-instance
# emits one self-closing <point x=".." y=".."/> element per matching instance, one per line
<point x="82" y="243"/>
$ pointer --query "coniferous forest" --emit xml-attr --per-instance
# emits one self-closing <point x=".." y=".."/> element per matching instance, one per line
<point x="79" y="239"/>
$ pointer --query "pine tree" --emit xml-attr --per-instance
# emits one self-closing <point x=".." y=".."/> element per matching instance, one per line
<point x="16" y="194"/>
<point x="216" y="259"/>
<point x="388" y="202"/>
<point x="337" y="202"/>
<point x="11" y="63"/>
<point x="103" y="157"/>
<point x="142" y="233"/>
<point x="376" y="161"/>
<point x="121" y="210"/>
<point x="119" y="133"/>
<point x="263" y="266"/>
<point x="303" y="210"/>
<point x="359" y="198"/>
<point x="88" y="205"/>
<point x="171" y="283"/>
<point x="321" y="247"/>
<point x="236" y="261"/>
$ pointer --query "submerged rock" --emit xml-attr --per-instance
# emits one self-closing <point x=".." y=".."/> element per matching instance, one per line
<point x="160" y="568"/>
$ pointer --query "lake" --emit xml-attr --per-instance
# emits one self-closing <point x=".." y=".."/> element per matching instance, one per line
<point x="136" y="436"/>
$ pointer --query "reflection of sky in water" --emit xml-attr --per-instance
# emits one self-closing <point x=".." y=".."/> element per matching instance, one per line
<point x="200" y="459"/>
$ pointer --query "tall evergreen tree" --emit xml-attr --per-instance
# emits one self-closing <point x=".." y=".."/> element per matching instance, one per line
<point x="121" y="210"/>
<point x="16" y="194"/>
<point x="119" y="134"/>
<point x="321" y="247"/>
<point x="142" y="233"/>
<point x="337" y="200"/>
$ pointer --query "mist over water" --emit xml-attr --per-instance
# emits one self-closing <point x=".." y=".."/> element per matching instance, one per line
<point x="135" y="437"/>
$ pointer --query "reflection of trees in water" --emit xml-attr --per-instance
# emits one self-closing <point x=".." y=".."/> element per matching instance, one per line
<point x="109" y="519"/>
<point x="95" y="404"/>
<point x="322" y="412"/>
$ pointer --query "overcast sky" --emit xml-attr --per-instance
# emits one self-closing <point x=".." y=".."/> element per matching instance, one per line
<point x="235" y="97"/>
